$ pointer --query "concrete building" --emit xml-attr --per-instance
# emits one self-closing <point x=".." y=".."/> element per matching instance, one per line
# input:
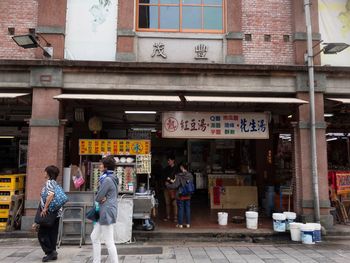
<point x="229" y="48"/>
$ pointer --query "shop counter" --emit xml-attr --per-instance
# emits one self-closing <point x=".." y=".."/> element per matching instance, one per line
<point x="231" y="191"/>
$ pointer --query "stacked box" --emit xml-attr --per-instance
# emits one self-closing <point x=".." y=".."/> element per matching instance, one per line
<point x="3" y="224"/>
<point x="12" y="182"/>
<point x="5" y="196"/>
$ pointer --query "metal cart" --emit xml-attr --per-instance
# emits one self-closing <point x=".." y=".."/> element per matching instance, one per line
<point x="144" y="203"/>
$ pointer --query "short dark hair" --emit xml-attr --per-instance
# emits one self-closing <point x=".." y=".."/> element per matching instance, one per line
<point x="52" y="171"/>
<point x="184" y="165"/>
<point x="171" y="157"/>
<point x="109" y="162"/>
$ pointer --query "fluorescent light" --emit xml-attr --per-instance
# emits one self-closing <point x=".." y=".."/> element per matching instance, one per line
<point x="244" y="99"/>
<point x="118" y="97"/>
<point x="328" y="115"/>
<point x="290" y="116"/>
<point x="7" y="137"/>
<point x="140" y="112"/>
<point x="331" y="139"/>
<point x="143" y="129"/>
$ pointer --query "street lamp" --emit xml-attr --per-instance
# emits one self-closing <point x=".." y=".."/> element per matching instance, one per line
<point x="31" y="41"/>
<point x="330" y="48"/>
<point x="334" y="48"/>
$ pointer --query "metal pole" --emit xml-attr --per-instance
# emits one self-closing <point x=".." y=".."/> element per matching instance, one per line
<point x="310" y="64"/>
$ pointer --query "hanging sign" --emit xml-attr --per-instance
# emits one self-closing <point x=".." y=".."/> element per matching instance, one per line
<point x="211" y="125"/>
<point x="114" y="147"/>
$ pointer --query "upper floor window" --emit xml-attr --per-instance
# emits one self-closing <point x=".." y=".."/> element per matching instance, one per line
<point x="181" y="15"/>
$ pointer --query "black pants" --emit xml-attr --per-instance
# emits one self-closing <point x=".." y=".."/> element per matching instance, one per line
<point x="47" y="237"/>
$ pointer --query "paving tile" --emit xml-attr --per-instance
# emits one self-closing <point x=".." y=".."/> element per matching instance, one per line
<point x="214" y="253"/>
<point x="252" y="259"/>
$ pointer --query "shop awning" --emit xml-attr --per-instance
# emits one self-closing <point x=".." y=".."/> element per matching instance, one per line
<point x="12" y="95"/>
<point x="117" y="97"/>
<point x="344" y="101"/>
<point x="245" y="99"/>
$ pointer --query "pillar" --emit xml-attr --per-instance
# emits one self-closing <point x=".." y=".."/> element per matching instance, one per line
<point x="299" y="30"/>
<point x="126" y="35"/>
<point x="234" y="36"/>
<point x="304" y="192"/>
<point x="46" y="136"/>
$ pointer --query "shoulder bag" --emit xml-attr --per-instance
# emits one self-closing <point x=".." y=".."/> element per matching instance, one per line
<point x="60" y="198"/>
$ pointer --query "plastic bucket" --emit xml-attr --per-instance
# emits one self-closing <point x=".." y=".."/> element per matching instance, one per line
<point x="279" y="222"/>
<point x="290" y="217"/>
<point x="317" y="232"/>
<point x="222" y="218"/>
<point x="307" y="234"/>
<point x="251" y="219"/>
<point x="295" y="231"/>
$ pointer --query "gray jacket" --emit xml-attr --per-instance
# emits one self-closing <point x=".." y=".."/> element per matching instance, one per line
<point x="108" y="209"/>
<point x="180" y="180"/>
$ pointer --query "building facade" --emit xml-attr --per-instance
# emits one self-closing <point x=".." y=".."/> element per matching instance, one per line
<point x="212" y="48"/>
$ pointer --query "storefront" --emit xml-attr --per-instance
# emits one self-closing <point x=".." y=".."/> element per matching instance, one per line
<point x="234" y="155"/>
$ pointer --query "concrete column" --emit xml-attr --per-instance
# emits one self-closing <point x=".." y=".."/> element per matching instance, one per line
<point x="51" y="25"/>
<point x="234" y="36"/>
<point x="304" y="195"/>
<point x="46" y="140"/>
<point x="299" y="28"/>
<point x="125" y="34"/>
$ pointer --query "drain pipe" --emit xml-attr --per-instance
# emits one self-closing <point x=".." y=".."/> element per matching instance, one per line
<point x="310" y="65"/>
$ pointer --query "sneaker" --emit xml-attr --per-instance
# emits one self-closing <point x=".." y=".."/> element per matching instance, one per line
<point x="49" y="257"/>
<point x="178" y="226"/>
<point x="175" y="220"/>
<point x="188" y="225"/>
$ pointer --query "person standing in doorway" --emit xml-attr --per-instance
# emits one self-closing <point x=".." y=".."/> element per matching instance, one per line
<point x="183" y="200"/>
<point x="106" y="198"/>
<point x="170" y="194"/>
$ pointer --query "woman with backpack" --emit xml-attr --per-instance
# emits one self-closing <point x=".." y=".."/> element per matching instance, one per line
<point x="184" y="186"/>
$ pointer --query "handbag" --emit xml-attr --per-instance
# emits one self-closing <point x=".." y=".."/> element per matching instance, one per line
<point x="60" y="198"/>
<point x="93" y="214"/>
<point x="78" y="181"/>
<point x="45" y="221"/>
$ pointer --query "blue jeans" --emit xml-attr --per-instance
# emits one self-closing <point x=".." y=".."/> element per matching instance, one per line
<point x="183" y="206"/>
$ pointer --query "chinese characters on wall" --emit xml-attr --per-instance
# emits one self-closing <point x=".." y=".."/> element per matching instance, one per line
<point x="199" y="50"/>
<point x="215" y="125"/>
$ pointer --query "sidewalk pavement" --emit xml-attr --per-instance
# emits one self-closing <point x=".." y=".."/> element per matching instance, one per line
<point x="28" y="251"/>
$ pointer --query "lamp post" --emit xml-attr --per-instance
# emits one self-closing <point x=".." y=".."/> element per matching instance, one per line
<point x="330" y="48"/>
<point x="310" y="65"/>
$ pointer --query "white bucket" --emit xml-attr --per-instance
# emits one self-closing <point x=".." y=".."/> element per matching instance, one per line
<point x="222" y="218"/>
<point x="251" y="219"/>
<point x="307" y="234"/>
<point x="279" y="222"/>
<point x="295" y="231"/>
<point x="317" y="232"/>
<point x="290" y="217"/>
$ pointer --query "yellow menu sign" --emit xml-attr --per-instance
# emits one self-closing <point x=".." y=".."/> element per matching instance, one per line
<point x="115" y="147"/>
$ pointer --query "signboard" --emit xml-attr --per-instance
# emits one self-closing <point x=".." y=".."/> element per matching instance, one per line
<point x="114" y="147"/>
<point x="209" y="125"/>
<point x="343" y="182"/>
<point x="334" y="21"/>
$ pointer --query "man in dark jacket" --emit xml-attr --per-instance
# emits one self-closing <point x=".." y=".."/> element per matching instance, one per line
<point x="183" y="201"/>
<point x="170" y="194"/>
